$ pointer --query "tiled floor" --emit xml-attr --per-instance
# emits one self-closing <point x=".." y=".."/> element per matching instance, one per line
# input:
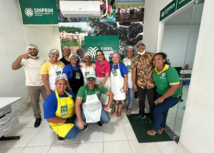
<point x="115" y="137"/>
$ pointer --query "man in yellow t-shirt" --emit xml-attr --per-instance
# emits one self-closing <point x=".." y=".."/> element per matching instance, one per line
<point x="50" y="70"/>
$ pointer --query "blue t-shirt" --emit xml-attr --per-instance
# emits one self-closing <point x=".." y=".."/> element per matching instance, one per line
<point x="68" y="70"/>
<point x="50" y="104"/>
<point x="123" y="69"/>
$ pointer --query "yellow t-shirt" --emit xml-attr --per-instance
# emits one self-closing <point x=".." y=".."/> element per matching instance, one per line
<point x="45" y="69"/>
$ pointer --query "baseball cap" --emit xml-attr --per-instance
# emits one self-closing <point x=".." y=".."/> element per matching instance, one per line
<point x="91" y="75"/>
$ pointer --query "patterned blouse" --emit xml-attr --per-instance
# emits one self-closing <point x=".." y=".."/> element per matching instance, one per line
<point x="144" y="70"/>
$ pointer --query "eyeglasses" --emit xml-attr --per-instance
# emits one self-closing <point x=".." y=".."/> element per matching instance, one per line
<point x="99" y="55"/>
<point x="87" y="59"/>
<point x="91" y="80"/>
<point x="73" y="59"/>
<point x="55" y="54"/>
<point x="129" y="51"/>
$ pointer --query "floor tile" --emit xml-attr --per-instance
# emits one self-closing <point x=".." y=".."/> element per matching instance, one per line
<point x="169" y="147"/>
<point x="93" y="133"/>
<point x="26" y="134"/>
<point x="45" y="136"/>
<point x="66" y="141"/>
<point x="96" y="147"/>
<point x="114" y="132"/>
<point x="11" y="150"/>
<point x="39" y="149"/>
<point x="143" y="147"/>
<point x="28" y="113"/>
<point x="71" y="148"/>
<point x="23" y="120"/>
<point x="46" y="124"/>
<point x="129" y="131"/>
<point x="32" y="121"/>
<point x="117" y="147"/>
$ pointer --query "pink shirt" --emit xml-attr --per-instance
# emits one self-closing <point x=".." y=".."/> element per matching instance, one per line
<point x="101" y="70"/>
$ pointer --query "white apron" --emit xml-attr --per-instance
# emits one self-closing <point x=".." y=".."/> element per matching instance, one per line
<point x="54" y="71"/>
<point x="104" y="98"/>
<point x="117" y="83"/>
<point x="92" y="108"/>
<point x="86" y="71"/>
<point x="128" y="65"/>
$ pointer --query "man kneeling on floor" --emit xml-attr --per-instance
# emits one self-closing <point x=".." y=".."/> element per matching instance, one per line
<point x="92" y="109"/>
<point x="59" y="110"/>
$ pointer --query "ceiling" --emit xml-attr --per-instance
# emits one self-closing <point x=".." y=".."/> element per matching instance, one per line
<point x="184" y="18"/>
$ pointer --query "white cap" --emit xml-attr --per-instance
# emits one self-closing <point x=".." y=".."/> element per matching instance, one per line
<point x="91" y="75"/>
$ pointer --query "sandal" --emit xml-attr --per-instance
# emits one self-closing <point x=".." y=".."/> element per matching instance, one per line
<point x="118" y="114"/>
<point x="125" y="108"/>
<point x="114" y="112"/>
<point x="128" y="111"/>
<point x="160" y="131"/>
<point x="151" y="132"/>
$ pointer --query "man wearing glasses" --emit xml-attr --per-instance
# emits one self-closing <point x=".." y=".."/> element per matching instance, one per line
<point x="92" y="110"/>
<point x="142" y="69"/>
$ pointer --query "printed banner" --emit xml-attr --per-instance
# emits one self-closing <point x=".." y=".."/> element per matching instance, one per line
<point x="39" y="11"/>
<point x="108" y="44"/>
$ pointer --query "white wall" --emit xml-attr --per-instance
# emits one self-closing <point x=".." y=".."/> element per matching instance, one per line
<point x="12" y="44"/>
<point x="179" y="43"/>
<point x="14" y="37"/>
<point x="197" y="130"/>
<point x="45" y="37"/>
<point x="151" y="22"/>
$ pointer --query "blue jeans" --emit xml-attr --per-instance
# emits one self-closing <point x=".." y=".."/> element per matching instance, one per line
<point x="161" y="111"/>
<point x="130" y="97"/>
<point x="104" y="118"/>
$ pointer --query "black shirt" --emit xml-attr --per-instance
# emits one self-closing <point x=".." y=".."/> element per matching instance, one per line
<point x="65" y="61"/>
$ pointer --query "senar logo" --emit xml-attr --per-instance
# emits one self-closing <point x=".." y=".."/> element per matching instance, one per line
<point x="93" y="51"/>
<point x="29" y="12"/>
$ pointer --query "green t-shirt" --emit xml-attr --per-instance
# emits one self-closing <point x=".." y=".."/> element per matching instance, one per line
<point x="163" y="80"/>
<point x="99" y="91"/>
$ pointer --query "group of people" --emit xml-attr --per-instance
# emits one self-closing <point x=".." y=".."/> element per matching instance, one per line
<point x="76" y="93"/>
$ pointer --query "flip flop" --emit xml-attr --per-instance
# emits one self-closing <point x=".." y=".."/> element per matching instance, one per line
<point x="151" y="132"/>
<point x="128" y="112"/>
<point x="125" y="108"/>
<point x="118" y="114"/>
<point x="160" y="131"/>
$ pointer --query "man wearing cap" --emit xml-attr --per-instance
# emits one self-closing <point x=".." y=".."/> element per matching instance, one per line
<point x="89" y="97"/>
<point x="35" y="86"/>
<point x="59" y="110"/>
<point x="50" y="70"/>
<point x="142" y="69"/>
<point x="130" y="92"/>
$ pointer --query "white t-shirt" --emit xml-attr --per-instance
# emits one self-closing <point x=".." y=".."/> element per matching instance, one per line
<point x="32" y="71"/>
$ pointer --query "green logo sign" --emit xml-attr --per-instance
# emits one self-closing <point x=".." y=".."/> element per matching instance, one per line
<point x="39" y="12"/>
<point x="108" y="44"/>
<point x="169" y="9"/>
<point x="172" y="7"/>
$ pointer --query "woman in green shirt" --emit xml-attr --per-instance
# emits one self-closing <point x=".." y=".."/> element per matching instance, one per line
<point x="167" y="92"/>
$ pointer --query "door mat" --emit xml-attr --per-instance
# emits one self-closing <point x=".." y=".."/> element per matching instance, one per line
<point x="141" y="127"/>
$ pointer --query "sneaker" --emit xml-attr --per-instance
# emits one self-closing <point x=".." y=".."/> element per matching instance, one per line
<point x="60" y="138"/>
<point x="139" y="116"/>
<point x="37" y="122"/>
<point x="99" y="123"/>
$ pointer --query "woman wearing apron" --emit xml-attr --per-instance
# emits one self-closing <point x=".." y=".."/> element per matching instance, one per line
<point x="75" y="76"/>
<point x="103" y="69"/>
<point x="66" y="51"/>
<point x="59" y="110"/>
<point x="130" y="93"/>
<point x="87" y="67"/>
<point x="50" y="70"/>
<point x="119" y="79"/>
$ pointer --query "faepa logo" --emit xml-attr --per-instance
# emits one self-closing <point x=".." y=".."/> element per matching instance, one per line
<point x="92" y="51"/>
<point x="29" y="12"/>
